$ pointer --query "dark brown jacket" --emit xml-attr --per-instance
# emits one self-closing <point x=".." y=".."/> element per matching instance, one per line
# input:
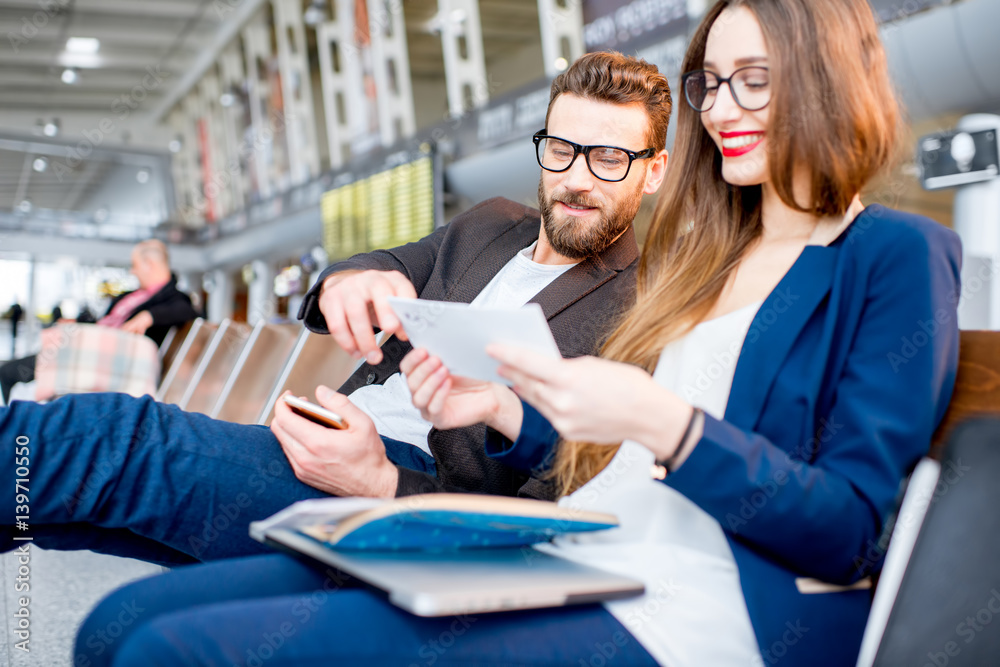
<point x="169" y="307"/>
<point x="455" y="263"/>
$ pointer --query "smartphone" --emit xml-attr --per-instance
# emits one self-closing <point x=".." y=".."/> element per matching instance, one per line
<point x="314" y="413"/>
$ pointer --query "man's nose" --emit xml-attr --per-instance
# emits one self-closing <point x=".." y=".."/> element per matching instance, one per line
<point x="579" y="177"/>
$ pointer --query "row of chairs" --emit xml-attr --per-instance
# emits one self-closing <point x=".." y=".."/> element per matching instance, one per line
<point x="233" y="372"/>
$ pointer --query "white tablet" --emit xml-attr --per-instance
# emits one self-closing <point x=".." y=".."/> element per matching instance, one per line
<point x="458" y="333"/>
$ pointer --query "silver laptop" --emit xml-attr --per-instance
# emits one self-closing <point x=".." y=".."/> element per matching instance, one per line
<point x="469" y="580"/>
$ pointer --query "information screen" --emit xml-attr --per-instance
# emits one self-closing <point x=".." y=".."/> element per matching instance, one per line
<point x="955" y="158"/>
<point x="386" y="209"/>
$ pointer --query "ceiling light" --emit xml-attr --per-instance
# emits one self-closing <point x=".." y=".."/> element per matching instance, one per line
<point x="227" y="99"/>
<point x="142" y="176"/>
<point x="175" y="145"/>
<point x="24" y="206"/>
<point x="69" y="76"/>
<point x="86" y="45"/>
<point x="40" y="164"/>
<point x="51" y="128"/>
<point x="561" y="64"/>
<point x="315" y="14"/>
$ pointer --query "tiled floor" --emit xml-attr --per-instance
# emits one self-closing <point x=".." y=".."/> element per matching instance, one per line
<point x="65" y="585"/>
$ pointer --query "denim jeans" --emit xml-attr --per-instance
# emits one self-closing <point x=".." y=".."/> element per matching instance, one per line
<point x="133" y="477"/>
<point x="274" y="611"/>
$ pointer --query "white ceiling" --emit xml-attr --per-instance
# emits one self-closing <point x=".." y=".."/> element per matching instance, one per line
<point x="134" y="35"/>
<point x="145" y="48"/>
<point x="151" y="52"/>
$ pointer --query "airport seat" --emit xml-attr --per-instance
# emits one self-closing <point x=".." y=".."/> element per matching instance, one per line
<point x="940" y="586"/>
<point x="315" y="360"/>
<point x="78" y="358"/>
<point x="215" y="367"/>
<point x="182" y="370"/>
<point x="171" y="344"/>
<point x="963" y="429"/>
<point x="258" y="368"/>
<point x="977" y="384"/>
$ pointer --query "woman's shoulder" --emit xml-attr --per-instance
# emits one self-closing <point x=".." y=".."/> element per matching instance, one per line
<point x="879" y="230"/>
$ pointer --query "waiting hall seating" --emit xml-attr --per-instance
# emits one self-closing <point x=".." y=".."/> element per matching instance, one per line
<point x="171" y="344"/>
<point x="258" y="368"/>
<point x="315" y="360"/>
<point x="215" y="367"/>
<point x="182" y="370"/>
<point x="977" y="385"/>
<point x="940" y="585"/>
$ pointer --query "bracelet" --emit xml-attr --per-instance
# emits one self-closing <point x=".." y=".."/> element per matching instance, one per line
<point x="667" y="463"/>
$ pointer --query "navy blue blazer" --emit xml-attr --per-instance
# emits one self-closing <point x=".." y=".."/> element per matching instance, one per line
<point x="845" y="372"/>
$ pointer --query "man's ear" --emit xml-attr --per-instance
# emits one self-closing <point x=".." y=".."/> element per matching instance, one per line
<point x="655" y="172"/>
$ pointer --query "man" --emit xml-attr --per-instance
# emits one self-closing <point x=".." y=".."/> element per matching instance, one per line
<point x="14" y="314"/>
<point x="151" y="310"/>
<point x="151" y="475"/>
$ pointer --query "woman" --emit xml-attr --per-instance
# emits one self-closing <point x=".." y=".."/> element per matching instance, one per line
<point x="759" y="461"/>
<point x="782" y="468"/>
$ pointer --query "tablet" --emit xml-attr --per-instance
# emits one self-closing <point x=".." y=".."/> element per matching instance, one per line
<point x="458" y="333"/>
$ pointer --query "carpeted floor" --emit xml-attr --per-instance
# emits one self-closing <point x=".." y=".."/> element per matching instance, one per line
<point x="65" y="585"/>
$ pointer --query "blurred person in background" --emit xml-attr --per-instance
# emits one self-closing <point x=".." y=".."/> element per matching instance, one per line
<point x="149" y="310"/>
<point x="14" y="314"/>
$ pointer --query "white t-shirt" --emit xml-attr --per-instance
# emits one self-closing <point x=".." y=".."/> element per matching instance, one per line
<point x="693" y="611"/>
<point x="390" y="405"/>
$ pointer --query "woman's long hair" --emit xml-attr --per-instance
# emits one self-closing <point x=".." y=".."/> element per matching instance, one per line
<point x="833" y="116"/>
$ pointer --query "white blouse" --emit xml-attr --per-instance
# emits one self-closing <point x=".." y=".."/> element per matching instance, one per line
<point x="693" y="611"/>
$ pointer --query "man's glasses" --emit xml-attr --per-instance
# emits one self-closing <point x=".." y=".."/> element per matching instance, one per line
<point x="749" y="86"/>
<point x="608" y="163"/>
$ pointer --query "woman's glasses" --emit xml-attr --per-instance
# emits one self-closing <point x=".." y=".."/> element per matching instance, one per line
<point x="749" y="86"/>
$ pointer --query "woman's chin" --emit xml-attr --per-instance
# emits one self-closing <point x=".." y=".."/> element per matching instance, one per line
<point x="743" y="175"/>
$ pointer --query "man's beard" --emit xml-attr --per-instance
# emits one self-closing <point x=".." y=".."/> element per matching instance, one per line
<point x="576" y="239"/>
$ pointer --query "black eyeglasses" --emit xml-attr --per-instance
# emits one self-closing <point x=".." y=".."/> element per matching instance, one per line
<point x="608" y="163"/>
<point x="749" y="86"/>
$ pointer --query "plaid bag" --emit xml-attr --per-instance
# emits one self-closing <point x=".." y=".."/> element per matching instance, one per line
<point x="82" y="358"/>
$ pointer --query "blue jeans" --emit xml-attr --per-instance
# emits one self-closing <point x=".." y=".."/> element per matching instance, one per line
<point x="276" y="611"/>
<point x="133" y="477"/>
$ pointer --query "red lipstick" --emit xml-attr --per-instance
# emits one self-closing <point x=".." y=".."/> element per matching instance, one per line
<point x="741" y="150"/>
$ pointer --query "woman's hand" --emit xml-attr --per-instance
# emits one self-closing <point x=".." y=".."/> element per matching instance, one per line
<point x="449" y="401"/>
<point x="596" y="400"/>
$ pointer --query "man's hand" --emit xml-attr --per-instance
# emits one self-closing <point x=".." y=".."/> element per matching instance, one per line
<point x="450" y="401"/>
<point x="354" y="302"/>
<point x="139" y="323"/>
<point x="349" y="462"/>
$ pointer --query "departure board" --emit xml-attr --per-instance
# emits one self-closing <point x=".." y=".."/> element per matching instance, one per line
<point x="383" y="210"/>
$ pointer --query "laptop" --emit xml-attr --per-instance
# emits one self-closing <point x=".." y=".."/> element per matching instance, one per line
<point x="445" y="583"/>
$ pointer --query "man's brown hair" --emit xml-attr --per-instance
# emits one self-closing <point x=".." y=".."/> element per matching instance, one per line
<point x="609" y="76"/>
